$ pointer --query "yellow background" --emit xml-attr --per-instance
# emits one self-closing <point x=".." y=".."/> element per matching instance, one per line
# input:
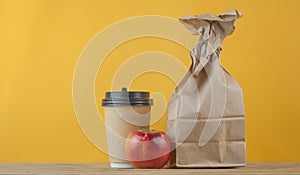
<point x="40" y="42"/>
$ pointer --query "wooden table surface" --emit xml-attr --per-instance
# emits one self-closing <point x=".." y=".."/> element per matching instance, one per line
<point x="102" y="168"/>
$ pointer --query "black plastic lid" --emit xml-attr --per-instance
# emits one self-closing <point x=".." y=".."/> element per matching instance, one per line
<point x="127" y="98"/>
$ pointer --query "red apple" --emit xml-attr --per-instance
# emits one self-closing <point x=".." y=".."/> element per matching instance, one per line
<point x="148" y="148"/>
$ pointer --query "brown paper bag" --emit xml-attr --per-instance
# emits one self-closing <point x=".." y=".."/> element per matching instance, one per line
<point x="206" y="111"/>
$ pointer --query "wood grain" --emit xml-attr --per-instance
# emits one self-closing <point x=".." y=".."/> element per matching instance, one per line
<point x="102" y="168"/>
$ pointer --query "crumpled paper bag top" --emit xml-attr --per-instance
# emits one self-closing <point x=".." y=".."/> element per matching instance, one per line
<point x="212" y="30"/>
<point x="193" y="23"/>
